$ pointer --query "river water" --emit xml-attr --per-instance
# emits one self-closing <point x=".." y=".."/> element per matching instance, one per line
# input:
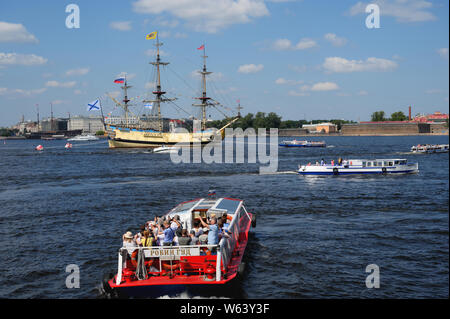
<point x="314" y="238"/>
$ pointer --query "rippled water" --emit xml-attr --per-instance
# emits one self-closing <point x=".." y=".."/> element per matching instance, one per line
<point x="314" y="235"/>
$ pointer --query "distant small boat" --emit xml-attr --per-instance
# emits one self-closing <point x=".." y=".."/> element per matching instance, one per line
<point x="39" y="148"/>
<point x="430" y="148"/>
<point x="68" y="145"/>
<point x="87" y="137"/>
<point x="295" y="143"/>
<point x="166" y="150"/>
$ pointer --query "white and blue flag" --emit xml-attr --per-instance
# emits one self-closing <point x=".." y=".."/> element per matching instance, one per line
<point x="94" y="106"/>
<point x="148" y="106"/>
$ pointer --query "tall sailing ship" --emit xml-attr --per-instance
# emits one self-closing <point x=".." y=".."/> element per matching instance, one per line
<point x="138" y="135"/>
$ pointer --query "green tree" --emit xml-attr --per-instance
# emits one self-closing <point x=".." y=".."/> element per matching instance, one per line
<point x="272" y="120"/>
<point x="378" y="116"/>
<point x="398" y="116"/>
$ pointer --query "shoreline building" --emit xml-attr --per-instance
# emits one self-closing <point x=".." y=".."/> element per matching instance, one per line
<point x="320" y="128"/>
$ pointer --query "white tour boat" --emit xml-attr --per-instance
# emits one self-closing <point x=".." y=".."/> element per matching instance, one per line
<point x="430" y="148"/>
<point x="360" y="166"/>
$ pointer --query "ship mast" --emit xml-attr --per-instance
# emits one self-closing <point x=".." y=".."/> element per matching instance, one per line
<point x="158" y="92"/>
<point x="204" y="98"/>
<point x="126" y="100"/>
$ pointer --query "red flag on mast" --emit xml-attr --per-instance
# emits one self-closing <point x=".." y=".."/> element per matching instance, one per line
<point x="202" y="47"/>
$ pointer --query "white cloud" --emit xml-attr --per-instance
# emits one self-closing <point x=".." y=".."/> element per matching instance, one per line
<point x="321" y="86"/>
<point x="80" y="71"/>
<point x="363" y="92"/>
<point x="305" y="43"/>
<point x="250" y="68"/>
<point x="335" y="40"/>
<point x="56" y="84"/>
<point x="205" y="15"/>
<point x="285" y="44"/>
<point x="77" y="92"/>
<point x="6" y="91"/>
<point x="21" y="59"/>
<point x="121" y="25"/>
<point x="401" y="10"/>
<point x="16" y="33"/>
<point x="296" y="93"/>
<point x="282" y="44"/>
<point x="283" y="81"/>
<point x="341" y="65"/>
<point x="443" y="52"/>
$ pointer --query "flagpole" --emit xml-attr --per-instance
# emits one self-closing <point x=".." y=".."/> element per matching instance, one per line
<point x="103" y="117"/>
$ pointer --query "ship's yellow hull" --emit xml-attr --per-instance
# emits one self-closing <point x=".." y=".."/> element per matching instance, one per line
<point x="123" y="138"/>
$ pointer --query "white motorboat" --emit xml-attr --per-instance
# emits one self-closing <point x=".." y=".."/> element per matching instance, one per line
<point x="166" y="150"/>
<point x="87" y="137"/>
<point x="430" y="148"/>
<point x="360" y="166"/>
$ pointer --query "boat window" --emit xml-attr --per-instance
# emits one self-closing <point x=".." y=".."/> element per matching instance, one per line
<point x="396" y="162"/>
<point x="402" y="162"/>
<point x="363" y="164"/>
<point x="230" y="205"/>
<point x="385" y="163"/>
<point x="391" y="164"/>
<point x="369" y="164"/>
<point x="380" y="164"/>
<point x="184" y="206"/>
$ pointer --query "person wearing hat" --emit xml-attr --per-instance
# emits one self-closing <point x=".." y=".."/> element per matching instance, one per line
<point x="128" y="242"/>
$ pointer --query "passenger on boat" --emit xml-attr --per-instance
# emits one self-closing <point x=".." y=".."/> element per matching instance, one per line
<point x="196" y="228"/>
<point x="226" y="223"/>
<point x="213" y="234"/>
<point x="332" y="162"/>
<point x="322" y="162"/>
<point x="128" y="242"/>
<point x="169" y="234"/>
<point x="203" y="239"/>
<point x="176" y="225"/>
<point x="340" y="161"/>
<point x="223" y="232"/>
<point x="147" y="239"/>
<point x="185" y="239"/>
<point x="194" y="240"/>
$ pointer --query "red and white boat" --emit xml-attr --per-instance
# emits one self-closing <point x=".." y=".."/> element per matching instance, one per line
<point x="170" y="270"/>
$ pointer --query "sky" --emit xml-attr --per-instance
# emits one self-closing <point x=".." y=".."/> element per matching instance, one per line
<point x="301" y="59"/>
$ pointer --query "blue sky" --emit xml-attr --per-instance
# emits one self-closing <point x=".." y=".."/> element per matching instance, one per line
<point x="301" y="59"/>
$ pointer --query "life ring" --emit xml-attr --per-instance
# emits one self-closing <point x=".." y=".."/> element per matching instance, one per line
<point x="166" y="265"/>
<point x="335" y="171"/>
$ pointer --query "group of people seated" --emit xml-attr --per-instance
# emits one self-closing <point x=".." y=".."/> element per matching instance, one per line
<point x="162" y="231"/>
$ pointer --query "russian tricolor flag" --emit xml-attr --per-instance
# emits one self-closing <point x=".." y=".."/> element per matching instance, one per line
<point x="119" y="80"/>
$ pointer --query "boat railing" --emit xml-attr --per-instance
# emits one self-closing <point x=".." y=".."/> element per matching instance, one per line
<point x="171" y="257"/>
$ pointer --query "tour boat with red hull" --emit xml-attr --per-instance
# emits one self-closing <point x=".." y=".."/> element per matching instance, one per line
<point x="170" y="270"/>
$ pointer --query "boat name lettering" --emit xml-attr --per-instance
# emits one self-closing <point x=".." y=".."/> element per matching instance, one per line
<point x="152" y="134"/>
<point x="172" y="252"/>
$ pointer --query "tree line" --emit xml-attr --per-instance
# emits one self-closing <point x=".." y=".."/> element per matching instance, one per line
<point x="270" y="120"/>
<point x="379" y="116"/>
